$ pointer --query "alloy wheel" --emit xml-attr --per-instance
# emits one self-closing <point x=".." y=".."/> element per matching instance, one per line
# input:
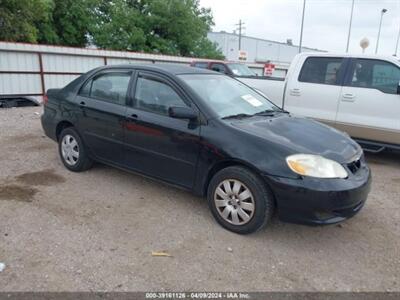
<point x="234" y="202"/>
<point x="70" y="150"/>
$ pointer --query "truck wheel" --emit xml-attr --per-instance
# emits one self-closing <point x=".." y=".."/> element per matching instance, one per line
<point x="239" y="200"/>
<point x="72" y="151"/>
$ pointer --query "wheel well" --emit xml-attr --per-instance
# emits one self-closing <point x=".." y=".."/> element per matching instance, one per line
<point x="61" y="126"/>
<point x="222" y="165"/>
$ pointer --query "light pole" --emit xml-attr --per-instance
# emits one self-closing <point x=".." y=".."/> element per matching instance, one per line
<point x="351" y="20"/>
<point x="379" y="31"/>
<point x="397" y="43"/>
<point x="302" y="24"/>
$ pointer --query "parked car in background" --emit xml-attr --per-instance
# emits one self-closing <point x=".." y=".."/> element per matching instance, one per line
<point x="244" y="74"/>
<point x="233" y="69"/>
<point x="358" y="94"/>
<point x="213" y="135"/>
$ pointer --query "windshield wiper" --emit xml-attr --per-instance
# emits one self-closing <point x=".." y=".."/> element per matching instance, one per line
<point x="267" y="112"/>
<point x="237" y="116"/>
<point x="271" y="112"/>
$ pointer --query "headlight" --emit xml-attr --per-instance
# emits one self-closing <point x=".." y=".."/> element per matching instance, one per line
<point x="315" y="166"/>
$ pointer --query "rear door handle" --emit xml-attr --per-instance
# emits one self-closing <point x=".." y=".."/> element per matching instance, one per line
<point x="295" y="92"/>
<point x="348" y="98"/>
<point x="82" y="103"/>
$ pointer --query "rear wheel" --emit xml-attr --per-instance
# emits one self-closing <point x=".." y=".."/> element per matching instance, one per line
<point x="72" y="151"/>
<point x="239" y="200"/>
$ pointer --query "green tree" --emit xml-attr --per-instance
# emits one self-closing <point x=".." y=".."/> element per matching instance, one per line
<point x="118" y="26"/>
<point x="204" y="48"/>
<point x="63" y="22"/>
<point x="19" y="19"/>
<point x="70" y="20"/>
<point x="176" y="27"/>
<point x="46" y="32"/>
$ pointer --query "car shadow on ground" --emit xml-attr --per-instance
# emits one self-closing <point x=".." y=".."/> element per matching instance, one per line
<point x="383" y="158"/>
<point x="276" y="229"/>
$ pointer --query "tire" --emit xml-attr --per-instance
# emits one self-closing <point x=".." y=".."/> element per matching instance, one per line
<point x="258" y="205"/>
<point x="72" y="161"/>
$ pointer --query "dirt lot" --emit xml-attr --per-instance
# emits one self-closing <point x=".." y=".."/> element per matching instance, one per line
<point x="62" y="231"/>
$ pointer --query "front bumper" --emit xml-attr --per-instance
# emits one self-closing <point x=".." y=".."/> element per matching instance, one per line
<point x="316" y="201"/>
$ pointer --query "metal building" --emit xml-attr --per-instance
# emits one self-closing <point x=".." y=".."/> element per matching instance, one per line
<point x="258" y="50"/>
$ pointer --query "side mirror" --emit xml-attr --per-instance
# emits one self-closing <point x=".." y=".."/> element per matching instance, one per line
<point x="179" y="112"/>
<point x="398" y="89"/>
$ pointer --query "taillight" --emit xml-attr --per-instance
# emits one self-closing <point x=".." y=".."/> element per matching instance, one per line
<point x="45" y="99"/>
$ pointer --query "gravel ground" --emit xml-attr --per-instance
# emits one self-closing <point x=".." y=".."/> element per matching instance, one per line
<point x="64" y="231"/>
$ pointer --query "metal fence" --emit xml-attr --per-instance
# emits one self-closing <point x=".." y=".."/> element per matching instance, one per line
<point x="31" y="69"/>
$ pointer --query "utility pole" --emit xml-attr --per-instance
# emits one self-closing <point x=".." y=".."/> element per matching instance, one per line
<point x="351" y="20"/>
<point x="240" y="28"/>
<point x="302" y="24"/>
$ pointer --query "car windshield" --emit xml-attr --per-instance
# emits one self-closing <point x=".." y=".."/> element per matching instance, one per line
<point x="241" y="70"/>
<point x="227" y="96"/>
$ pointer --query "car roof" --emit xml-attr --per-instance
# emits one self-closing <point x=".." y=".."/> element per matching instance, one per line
<point x="350" y="55"/>
<point x="175" y="69"/>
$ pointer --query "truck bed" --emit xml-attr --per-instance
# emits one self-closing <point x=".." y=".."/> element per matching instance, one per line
<point x="270" y="86"/>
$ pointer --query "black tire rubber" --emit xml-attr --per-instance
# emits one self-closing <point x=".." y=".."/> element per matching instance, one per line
<point x="263" y="198"/>
<point x="84" y="162"/>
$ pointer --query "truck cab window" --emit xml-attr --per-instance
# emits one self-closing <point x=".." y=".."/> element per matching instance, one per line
<point x="376" y="74"/>
<point x="324" y="70"/>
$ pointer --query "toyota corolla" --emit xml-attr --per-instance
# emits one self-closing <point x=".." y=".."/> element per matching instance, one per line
<point x="213" y="135"/>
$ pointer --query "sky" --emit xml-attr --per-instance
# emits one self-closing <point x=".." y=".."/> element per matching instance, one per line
<point x="326" y="22"/>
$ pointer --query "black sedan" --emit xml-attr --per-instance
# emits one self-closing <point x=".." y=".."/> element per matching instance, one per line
<point x="213" y="135"/>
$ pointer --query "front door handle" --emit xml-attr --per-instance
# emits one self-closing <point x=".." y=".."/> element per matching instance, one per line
<point x="295" y="92"/>
<point x="82" y="103"/>
<point x="132" y="117"/>
<point x="348" y="98"/>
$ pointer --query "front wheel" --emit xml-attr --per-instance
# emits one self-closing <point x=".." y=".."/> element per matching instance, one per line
<point x="72" y="151"/>
<point x="239" y="200"/>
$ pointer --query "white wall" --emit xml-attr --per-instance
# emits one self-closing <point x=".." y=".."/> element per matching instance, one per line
<point x="257" y="49"/>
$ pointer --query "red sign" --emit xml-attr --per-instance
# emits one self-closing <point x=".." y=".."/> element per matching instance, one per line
<point x="269" y="68"/>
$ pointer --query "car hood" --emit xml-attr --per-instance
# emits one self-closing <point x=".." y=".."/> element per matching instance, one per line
<point x="300" y="135"/>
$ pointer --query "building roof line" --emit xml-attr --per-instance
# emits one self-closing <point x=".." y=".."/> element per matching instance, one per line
<point x="264" y="40"/>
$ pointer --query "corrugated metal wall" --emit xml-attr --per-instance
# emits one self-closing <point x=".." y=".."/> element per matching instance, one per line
<point x="30" y="69"/>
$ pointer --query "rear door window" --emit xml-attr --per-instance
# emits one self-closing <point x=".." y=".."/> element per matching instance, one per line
<point x="323" y="70"/>
<point x="376" y="74"/>
<point x="109" y="87"/>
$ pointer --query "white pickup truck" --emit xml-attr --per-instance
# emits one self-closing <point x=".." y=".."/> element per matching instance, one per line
<point x="356" y="94"/>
